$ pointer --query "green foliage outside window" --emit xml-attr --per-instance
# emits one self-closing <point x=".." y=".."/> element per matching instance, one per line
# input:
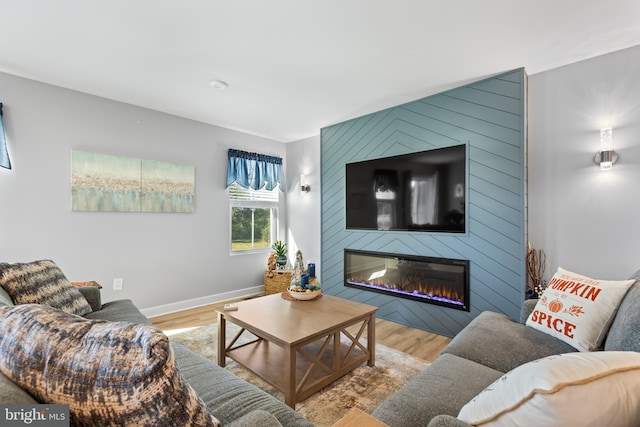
<point x="250" y="228"/>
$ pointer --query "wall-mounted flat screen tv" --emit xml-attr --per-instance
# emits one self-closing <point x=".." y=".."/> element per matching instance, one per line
<point x="423" y="191"/>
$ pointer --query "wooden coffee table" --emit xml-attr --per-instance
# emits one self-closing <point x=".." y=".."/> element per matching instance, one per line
<point x="298" y="349"/>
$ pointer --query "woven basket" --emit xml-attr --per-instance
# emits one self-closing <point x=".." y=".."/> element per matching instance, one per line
<point x="278" y="283"/>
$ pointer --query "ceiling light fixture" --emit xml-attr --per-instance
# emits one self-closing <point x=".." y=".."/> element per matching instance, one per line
<point x="218" y="84"/>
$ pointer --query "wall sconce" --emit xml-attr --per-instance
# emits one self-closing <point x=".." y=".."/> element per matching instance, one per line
<point x="304" y="187"/>
<point x="606" y="157"/>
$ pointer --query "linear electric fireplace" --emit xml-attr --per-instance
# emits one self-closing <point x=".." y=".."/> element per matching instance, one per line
<point x="440" y="281"/>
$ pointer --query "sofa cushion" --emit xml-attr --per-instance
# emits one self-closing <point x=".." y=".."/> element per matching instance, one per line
<point x="228" y="397"/>
<point x="578" y="309"/>
<point x="526" y="309"/>
<point x="573" y="389"/>
<point x="109" y="373"/>
<point x="623" y="333"/>
<point x="122" y="310"/>
<point x="496" y="341"/>
<point x="442" y="388"/>
<point x="256" y="418"/>
<point x="12" y="393"/>
<point x="447" y="421"/>
<point x="42" y="282"/>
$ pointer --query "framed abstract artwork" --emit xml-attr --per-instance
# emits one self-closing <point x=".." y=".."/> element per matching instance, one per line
<point x="106" y="183"/>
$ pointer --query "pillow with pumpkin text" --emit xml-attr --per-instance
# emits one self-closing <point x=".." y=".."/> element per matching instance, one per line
<point x="578" y="309"/>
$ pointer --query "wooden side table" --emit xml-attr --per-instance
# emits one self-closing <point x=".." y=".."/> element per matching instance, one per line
<point x="279" y="282"/>
<point x="357" y="418"/>
<point x="91" y="283"/>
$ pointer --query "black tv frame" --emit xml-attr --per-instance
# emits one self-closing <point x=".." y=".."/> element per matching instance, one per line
<point x="440" y="227"/>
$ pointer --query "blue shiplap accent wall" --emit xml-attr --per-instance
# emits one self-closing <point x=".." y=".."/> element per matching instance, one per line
<point x="489" y="116"/>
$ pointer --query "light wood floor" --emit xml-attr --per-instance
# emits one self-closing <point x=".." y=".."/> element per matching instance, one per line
<point x="421" y="344"/>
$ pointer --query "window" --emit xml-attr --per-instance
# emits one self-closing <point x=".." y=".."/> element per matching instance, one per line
<point x="254" y="182"/>
<point x="254" y="218"/>
<point x="4" y="154"/>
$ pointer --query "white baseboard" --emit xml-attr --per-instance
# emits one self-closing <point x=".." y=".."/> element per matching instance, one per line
<point x="199" y="302"/>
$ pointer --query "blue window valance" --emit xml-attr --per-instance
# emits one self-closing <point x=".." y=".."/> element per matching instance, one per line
<point x="253" y="170"/>
<point x="4" y="153"/>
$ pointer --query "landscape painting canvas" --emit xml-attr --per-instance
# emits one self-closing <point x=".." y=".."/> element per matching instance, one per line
<point x="167" y="187"/>
<point x="106" y="183"/>
<point x="100" y="182"/>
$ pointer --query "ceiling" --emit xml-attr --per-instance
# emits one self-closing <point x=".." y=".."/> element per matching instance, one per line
<point x="295" y="66"/>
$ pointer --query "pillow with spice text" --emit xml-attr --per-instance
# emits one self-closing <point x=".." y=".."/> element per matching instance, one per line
<point x="578" y="309"/>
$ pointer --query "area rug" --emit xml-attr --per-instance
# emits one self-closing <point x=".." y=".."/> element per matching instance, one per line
<point x="364" y="388"/>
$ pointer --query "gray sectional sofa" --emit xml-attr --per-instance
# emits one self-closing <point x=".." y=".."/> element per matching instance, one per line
<point x="231" y="400"/>
<point x="491" y="345"/>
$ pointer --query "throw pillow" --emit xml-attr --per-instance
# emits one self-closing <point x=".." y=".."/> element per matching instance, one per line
<point x="109" y="373"/>
<point x="578" y="309"/>
<point x="623" y="332"/>
<point x="42" y="282"/>
<point x="571" y="389"/>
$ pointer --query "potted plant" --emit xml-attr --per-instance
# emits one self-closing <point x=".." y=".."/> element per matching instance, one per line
<point x="280" y="249"/>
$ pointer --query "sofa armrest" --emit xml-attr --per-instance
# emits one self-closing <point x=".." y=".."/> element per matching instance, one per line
<point x="92" y="294"/>
<point x="446" y="421"/>
<point x="527" y="307"/>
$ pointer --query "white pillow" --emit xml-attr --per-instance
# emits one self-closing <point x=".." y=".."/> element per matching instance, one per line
<point x="572" y="389"/>
<point x="578" y="309"/>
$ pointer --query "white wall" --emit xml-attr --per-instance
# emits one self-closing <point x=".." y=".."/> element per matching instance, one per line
<point x="167" y="261"/>
<point x="303" y="210"/>
<point x="585" y="219"/>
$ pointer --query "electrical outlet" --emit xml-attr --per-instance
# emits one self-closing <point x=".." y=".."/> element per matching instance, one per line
<point x="117" y="284"/>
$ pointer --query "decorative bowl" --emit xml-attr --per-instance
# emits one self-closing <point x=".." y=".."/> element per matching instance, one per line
<point x="303" y="295"/>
